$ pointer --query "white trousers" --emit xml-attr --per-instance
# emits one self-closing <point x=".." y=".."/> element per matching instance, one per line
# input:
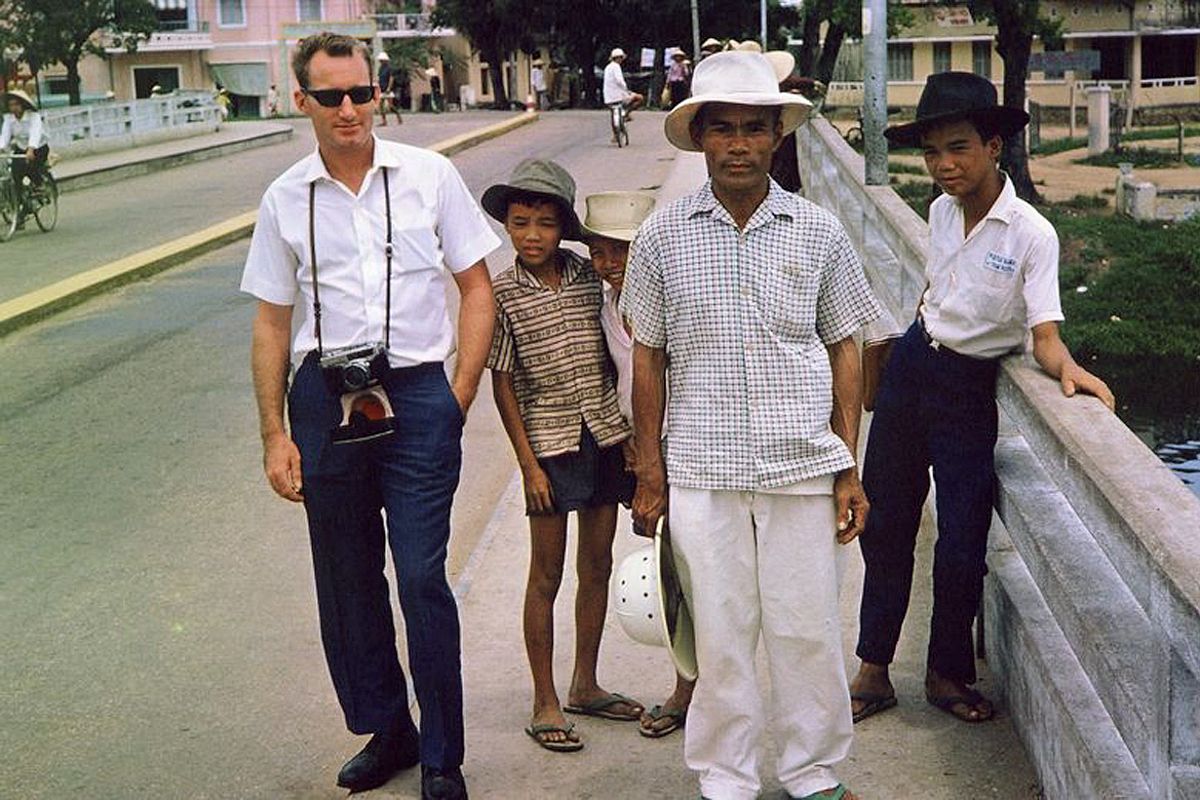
<point x="754" y="562"/>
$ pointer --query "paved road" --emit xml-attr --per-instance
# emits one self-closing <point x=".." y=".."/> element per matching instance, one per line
<point x="159" y="627"/>
<point x="104" y="223"/>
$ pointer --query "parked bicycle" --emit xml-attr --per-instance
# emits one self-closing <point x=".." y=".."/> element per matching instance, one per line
<point x="26" y="198"/>
<point x="617" y="115"/>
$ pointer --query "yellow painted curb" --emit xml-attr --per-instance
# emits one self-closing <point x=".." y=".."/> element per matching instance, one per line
<point x="30" y="307"/>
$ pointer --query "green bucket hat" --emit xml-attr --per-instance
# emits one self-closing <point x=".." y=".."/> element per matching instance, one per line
<point x="544" y="179"/>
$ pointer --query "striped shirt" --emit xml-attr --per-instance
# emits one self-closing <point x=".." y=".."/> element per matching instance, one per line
<point x="552" y="343"/>
<point x="745" y="317"/>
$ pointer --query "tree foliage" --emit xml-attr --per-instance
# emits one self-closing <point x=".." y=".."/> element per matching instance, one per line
<point x="56" y="32"/>
<point x="842" y="19"/>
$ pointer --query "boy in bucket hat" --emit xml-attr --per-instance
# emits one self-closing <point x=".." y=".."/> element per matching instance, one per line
<point x="611" y="223"/>
<point x="754" y="295"/>
<point x="992" y="274"/>
<point x="555" y="389"/>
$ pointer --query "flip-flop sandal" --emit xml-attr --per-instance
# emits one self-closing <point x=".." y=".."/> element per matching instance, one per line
<point x="873" y="703"/>
<point x="969" y="697"/>
<point x="599" y="708"/>
<point x="677" y="719"/>
<point x="839" y="792"/>
<point x="537" y="732"/>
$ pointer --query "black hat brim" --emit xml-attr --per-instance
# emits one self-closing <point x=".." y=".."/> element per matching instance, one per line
<point x="1004" y="120"/>
<point x="496" y="199"/>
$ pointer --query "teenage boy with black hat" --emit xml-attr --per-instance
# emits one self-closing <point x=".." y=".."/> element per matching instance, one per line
<point x="992" y="273"/>
<point x="556" y="392"/>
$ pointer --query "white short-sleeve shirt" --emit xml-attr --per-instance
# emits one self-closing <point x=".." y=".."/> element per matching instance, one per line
<point x="989" y="288"/>
<point x="620" y="347"/>
<point x="436" y="226"/>
<point x="615" y="90"/>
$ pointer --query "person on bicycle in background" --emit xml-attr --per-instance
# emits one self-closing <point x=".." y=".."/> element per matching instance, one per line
<point x="24" y="132"/>
<point x="615" y="90"/>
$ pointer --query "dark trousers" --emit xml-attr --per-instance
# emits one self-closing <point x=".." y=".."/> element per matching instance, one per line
<point x="934" y="408"/>
<point x="411" y="475"/>
<point x="34" y="169"/>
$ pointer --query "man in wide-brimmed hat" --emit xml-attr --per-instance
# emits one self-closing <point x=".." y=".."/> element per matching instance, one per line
<point x="615" y="91"/>
<point x="992" y="272"/>
<point x="24" y="132"/>
<point x="678" y="74"/>
<point x="754" y="293"/>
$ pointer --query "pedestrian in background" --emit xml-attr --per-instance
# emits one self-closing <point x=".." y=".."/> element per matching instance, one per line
<point x="752" y="296"/>
<point x="537" y="81"/>
<point x="361" y="235"/>
<point x="273" y="101"/>
<point x="556" y="392"/>
<point x="615" y="90"/>
<point x="388" y="89"/>
<point x="24" y="131"/>
<point x="678" y="76"/>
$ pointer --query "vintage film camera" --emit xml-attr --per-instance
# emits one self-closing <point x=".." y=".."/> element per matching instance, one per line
<point x="355" y="373"/>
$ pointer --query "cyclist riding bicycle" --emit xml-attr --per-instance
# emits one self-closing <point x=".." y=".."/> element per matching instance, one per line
<point x="24" y="132"/>
<point x="615" y="90"/>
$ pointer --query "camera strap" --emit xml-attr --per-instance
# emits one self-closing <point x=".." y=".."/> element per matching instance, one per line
<point x="312" y="256"/>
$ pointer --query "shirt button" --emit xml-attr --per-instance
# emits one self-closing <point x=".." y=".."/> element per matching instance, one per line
<point x="745" y="291"/>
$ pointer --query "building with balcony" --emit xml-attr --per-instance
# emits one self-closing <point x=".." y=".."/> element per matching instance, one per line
<point x="1149" y="52"/>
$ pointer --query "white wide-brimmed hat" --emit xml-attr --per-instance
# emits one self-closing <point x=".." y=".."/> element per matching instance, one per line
<point x="745" y="79"/>
<point x="24" y="98"/>
<point x="711" y="44"/>
<point x="383" y="56"/>
<point x="616" y="53"/>
<point x="616" y="215"/>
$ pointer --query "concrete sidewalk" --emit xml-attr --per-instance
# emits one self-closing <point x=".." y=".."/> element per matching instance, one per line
<point x="913" y="752"/>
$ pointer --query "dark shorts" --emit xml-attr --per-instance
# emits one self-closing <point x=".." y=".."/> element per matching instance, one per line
<point x="592" y="476"/>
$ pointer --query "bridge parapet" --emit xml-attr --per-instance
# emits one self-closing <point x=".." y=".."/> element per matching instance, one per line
<point x="1092" y="603"/>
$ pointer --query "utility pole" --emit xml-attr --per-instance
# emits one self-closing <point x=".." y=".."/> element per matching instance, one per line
<point x="874" y="24"/>
<point x="695" y="30"/>
<point x="762" y="17"/>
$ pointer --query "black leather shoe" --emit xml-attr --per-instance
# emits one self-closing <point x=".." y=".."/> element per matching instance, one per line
<point x="386" y="754"/>
<point x="442" y="784"/>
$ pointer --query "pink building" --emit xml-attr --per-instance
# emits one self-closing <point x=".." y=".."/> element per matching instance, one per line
<point x="243" y="45"/>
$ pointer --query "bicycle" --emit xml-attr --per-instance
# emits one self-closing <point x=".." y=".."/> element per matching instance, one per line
<point x="40" y="202"/>
<point x="617" y="115"/>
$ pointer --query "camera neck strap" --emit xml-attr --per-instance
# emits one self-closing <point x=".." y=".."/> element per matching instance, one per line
<point x="312" y="255"/>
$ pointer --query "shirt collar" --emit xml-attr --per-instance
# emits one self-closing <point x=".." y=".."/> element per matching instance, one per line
<point x="573" y="265"/>
<point x="777" y="203"/>
<point x="382" y="157"/>
<point x="1004" y="207"/>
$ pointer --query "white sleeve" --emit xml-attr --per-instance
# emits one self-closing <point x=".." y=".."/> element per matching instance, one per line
<point x="36" y="131"/>
<point x="463" y="231"/>
<point x="6" y="131"/>
<point x="270" y="272"/>
<point x="1042" y="302"/>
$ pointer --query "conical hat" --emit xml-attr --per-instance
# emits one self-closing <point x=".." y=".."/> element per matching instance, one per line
<point x="24" y="98"/>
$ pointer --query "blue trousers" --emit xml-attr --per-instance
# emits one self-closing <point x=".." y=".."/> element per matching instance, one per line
<point x="935" y="408"/>
<point x="411" y="475"/>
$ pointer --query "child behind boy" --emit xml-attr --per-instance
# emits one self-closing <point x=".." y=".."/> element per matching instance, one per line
<point x="555" y="390"/>
<point x="612" y="220"/>
<point x="992" y="274"/>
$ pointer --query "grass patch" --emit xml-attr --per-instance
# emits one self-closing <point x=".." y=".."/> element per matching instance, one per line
<point x="1140" y="157"/>
<point x="897" y="168"/>
<point x="1083" y="202"/>
<point x="918" y="195"/>
<point x="1049" y="147"/>
<point x="1141" y="278"/>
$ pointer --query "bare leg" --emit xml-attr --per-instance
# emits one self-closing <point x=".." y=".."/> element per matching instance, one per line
<point x="871" y="680"/>
<point x="548" y="536"/>
<point x="672" y="708"/>
<point x="594" y="567"/>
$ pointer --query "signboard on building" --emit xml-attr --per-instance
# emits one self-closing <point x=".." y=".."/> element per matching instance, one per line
<point x="953" y="17"/>
<point x="1058" y="62"/>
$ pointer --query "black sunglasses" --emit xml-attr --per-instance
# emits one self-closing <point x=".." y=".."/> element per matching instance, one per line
<point x="332" y="98"/>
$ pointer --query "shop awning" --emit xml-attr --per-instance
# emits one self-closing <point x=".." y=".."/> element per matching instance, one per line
<point x="245" y="79"/>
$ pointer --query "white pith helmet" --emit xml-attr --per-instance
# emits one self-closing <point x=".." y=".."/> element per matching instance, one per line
<point x="635" y="595"/>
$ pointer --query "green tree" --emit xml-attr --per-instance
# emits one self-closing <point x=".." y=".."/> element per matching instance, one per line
<point x="494" y="27"/>
<point x="1017" y="22"/>
<point x="53" y="31"/>
<point x="815" y="57"/>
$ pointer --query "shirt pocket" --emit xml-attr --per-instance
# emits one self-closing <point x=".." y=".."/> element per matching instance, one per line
<point x="787" y="300"/>
<point x="995" y="282"/>
<point x="415" y="243"/>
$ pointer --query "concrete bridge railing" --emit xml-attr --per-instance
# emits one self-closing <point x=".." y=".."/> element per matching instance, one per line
<point x="100" y="127"/>
<point x="1092" y="604"/>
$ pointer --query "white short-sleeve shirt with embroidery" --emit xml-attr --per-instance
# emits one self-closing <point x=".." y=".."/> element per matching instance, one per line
<point x="745" y="317"/>
<point x="989" y="288"/>
<point x="436" y="226"/>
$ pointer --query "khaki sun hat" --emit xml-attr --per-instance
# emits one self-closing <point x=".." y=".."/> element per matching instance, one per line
<point x="616" y="53"/>
<point x="782" y="62"/>
<point x="711" y="44"/>
<point x="383" y="56"/>
<point x="24" y="98"/>
<point x="535" y="176"/>
<point x="616" y="215"/>
<point x="748" y="46"/>
<point x="740" y="78"/>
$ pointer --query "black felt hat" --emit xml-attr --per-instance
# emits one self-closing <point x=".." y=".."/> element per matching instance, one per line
<point x="951" y="96"/>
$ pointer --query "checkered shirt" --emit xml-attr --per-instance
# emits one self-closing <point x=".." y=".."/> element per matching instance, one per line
<point x="745" y="318"/>
<point x="552" y="343"/>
